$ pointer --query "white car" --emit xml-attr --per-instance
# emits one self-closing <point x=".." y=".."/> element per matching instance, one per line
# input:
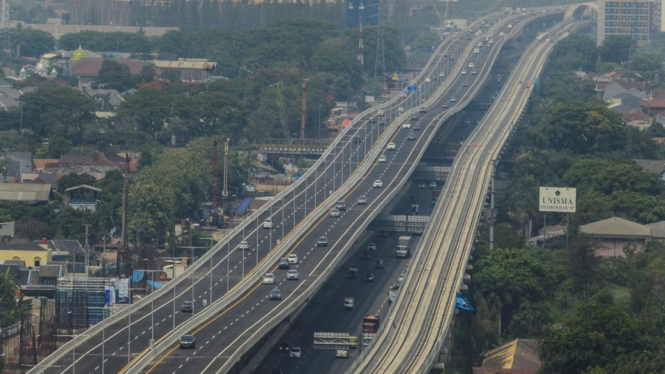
<point x="292" y="275"/>
<point x="406" y="125"/>
<point x="243" y="245"/>
<point x="268" y="278"/>
<point x="293" y="258"/>
<point x="391" y="145"/>
<point x="378" y="183"/>
<point x="382" y="158"/>
<point x="334" y="213"/>
<point x="471" y="64"/>
<point x="463" y="71"/>
<point x="427" y="80"/>
<point x="295" y="352"/>
<point x="441" y="75"/>
<point x="267" y="224"/>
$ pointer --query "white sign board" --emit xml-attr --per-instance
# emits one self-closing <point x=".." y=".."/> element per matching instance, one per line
<point x="555" y="199"/>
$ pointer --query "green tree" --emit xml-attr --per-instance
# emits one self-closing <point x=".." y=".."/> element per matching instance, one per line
<point x="509" y="277"/>
<point x="593" y="336"/>
<point x="115" y="75"/>
<point x="584" y="264"/>
<point x="575" y="52"/>
<point x="57" y="110"/>
<point x="607" y="177"/>
<point x="11" y="309"/>
<point x="647" y="64"/>
<point x="584" y="128"/>
<point x="617" y="48"/>
<point x="32" y="43"/>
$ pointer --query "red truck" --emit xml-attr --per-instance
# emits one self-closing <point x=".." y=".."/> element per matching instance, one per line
<point x="371" y="324"/>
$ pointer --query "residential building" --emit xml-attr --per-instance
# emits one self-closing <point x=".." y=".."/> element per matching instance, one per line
<point x="639" y="19"/>
<point x="637" y="118"/>
<point x="615" y="233"/>
<point x="653" y="166"/>
<point x="519" y="356"/>
<point x="6" y="230"/>
<point x="66" y="250"/>
<point x="20" y="167"/>
<point x="21" y="249"/>
<point x="621" y="86"/>
<point x="187" y="69"/>
<point x="87" y="69"/>
<point x="82" y="197"/>
<point x="26" y="193"/>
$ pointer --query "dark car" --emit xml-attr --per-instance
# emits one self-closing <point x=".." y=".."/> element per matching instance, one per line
<point x="416" y="127"/>
<point x="284" y="347"/>
<point x="187" y="341"/>
<point x="369" y="277"/>
<point x="275" y="294"/>
<point x="414" y="118"/>
<point x="284" y="263"/>
<point x="367" y="254"/>
<point x="186" y="306"/>
<point x="378" y="264"/>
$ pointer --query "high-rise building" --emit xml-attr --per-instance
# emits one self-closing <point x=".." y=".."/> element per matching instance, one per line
<point x="638" y="19"/>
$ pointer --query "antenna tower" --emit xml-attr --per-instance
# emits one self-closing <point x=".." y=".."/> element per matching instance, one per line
<point x="380" y="60"/>
<point x="361" y="44"/>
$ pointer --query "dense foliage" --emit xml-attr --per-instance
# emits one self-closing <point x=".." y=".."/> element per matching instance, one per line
<point x="593" y="315"/>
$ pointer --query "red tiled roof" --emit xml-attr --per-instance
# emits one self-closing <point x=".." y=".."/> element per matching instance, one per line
<point x="659" y="140"/>
<point x="630" y="85"/>
<point x="653" y="104"/>
<point x="45" y="163"/>
<point x="659" y="93"/>
<point x="635" y="115"/>
<point x="91" y="66"/>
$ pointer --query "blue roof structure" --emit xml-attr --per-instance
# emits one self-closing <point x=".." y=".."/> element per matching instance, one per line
<point x="242" y="208"/>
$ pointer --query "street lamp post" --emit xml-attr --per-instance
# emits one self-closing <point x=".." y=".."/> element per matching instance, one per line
<point x="73" y="350"/>
<point x="152" y="304"/>
<point x="103" y="308"/>
<point x="209" y="249"/>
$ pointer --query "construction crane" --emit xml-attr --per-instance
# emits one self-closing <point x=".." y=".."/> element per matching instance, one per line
<point x="438" y="15"/>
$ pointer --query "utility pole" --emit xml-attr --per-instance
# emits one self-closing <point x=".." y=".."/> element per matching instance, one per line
<point x="304" y="110"/>
<point x="361" y="43"/>
<point x="123" y="235"/>
<point x="225" y="190"/>
<point x="87" y="249"/>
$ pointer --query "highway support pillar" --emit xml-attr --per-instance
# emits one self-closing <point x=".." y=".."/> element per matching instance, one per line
<point x="492" y="205"/>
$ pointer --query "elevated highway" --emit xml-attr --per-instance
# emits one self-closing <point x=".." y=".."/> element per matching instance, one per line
<point x="239" y="313"/>
<point x="412" y="337"/>
<point x="227" y="336"/>
<point x="128" y="340"/>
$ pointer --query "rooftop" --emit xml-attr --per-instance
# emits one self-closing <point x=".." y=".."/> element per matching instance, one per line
<point x="21" y="244"/>
<point x="519" y="354"/>
<point x="26" y="193"/>
<point x="616" y="227"/>
<point x="91" y="66"/>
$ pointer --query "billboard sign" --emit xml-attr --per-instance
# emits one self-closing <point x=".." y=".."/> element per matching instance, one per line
<point x="555" y="199"/>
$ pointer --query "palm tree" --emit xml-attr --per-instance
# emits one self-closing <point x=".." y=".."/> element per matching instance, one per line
<point x="11" y="308"/>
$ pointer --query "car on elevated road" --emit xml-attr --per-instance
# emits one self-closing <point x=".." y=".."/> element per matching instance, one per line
<point x="322" y="242"/>
<point x="275" y="294"/>
<point x="292" y="275"/>
<point x="377" y="184"/>
<point x="295" y="352"/>
<point x="187" y="341"/>
<point x="243" y="245"/>
<point x="293" y="258"/>
<point x="391" y="146"/>
<point x="334" y="213"/>
<point x="268" y="278"/>
<point x="267" y="224"/>
<point x="406" y="125"/>
<point x="362" y="200"/>
<point x="382" y="158"/>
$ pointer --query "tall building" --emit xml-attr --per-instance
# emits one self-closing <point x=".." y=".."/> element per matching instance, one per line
<point x="638" y="19"/>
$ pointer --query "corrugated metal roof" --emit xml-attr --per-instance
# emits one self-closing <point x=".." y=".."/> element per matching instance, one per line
<point x="24" y="192"/>
<point x="616" y="227"/>
<point x="200" y="65"/>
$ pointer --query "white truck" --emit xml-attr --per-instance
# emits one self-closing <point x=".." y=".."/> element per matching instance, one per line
<point x="404" y="246"/>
